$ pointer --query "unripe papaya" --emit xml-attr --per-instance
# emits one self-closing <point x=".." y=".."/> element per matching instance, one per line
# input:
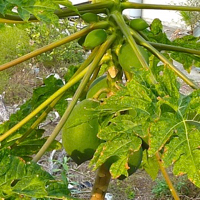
<point x="95" y="38"/>
<point x="97" y="84"/>
<point x="79" y="134"/>
<point x="90" y="17"/>
<point x="128" y="59"/>
<point x="138" y="24"/>
<point x="134" y="162"/>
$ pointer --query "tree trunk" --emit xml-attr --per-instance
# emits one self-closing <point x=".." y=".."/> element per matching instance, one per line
<point x="101" y="184"/>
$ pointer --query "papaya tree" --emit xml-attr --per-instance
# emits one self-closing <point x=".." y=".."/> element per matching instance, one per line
<point x="127" y="111"/>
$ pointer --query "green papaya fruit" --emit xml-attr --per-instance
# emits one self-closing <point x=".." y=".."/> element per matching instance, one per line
<point x="97" y="84"/>
<point x="81" y="40"/>
<point x="95" y="38"/>
<point x="128" y="59"/>
<point x="138" y="24"/>
<point x="90" y="17"/>
<point x="79" y="134"/>
<point x="134" y="162"/>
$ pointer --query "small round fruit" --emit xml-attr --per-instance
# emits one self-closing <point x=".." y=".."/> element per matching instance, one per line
<point x="90" y="17"/>
<point x="128" y="59"/>
<point x="95" y="38"/>
<point x="97" y="84"/>
<point x="138" y="24"/>
<point x="79" y="134"/>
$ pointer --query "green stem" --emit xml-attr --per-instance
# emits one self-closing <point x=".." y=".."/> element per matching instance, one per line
<point x="144" y="43"/>
<point x="82" y="85"/>
<point x="125" y="30"/>
<point x="167" y="179"/>
<point x="66" y="12"/>
<point x="128" y="5"/>
<point x="53" y="103"/>
<point x="37" y="122"/>
<point x="43" y="105"/>
<point x="54" y="44"/>
<point x="174" y="48"/>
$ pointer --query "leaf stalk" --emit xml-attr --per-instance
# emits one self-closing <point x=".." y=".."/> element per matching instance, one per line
<point x="78" y="92"/>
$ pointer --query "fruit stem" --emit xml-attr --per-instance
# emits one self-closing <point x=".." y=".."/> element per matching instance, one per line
<point x="54" y="44"/>
<point x="144" y="43"/>
<point x="43" y="105"/>
<point x="53" y="103"/>
<point x="102" y="90"/>
<point x="78" y="92"/>
<point x="101" y="184"/>
<point x="125" y="30"/>
<point x="126" y="5"/>
<point x="166" y="177"/>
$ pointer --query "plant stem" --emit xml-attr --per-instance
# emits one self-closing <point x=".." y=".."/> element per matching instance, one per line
<point x="144" y="43"/>
<point x="101" y="184"/>
<point x="125" y="30"/>
<point x="81" y="87"/>
<point x="53" y="103"/>
<point x="43" y="105"/>
<point x="128" y="5"/>
<point x="66" y="12"/>
<point x="167" y="179"/>
<point x="174" y="48"/>
<point x="37" y="122"/>
<point x="54" y="44"/>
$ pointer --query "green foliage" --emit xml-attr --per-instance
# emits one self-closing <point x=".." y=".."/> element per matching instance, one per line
<point x="14" y="42"/>
<point x="42" y="34"/>
<point x="42" y="10"/>
<point x="191" y="18"/>
<point x="28" y="179"/>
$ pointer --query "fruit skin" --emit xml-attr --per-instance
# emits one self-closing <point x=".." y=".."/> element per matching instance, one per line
<point x="95" y="38"/>
<point x="90" y="17"/>
<point x="134" y="162"/>
<point x="128" y="59"/>
<point x="138" y="24"/>
<point x="79" y="134"/>
<point x="97" y="84"/>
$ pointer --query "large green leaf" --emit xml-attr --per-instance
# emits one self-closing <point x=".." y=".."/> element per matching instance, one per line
<point x="178" y="133"/>
<point x="28" y="179"/>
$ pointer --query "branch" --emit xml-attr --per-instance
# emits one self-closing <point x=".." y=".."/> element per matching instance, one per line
<point x="129" y="5"/>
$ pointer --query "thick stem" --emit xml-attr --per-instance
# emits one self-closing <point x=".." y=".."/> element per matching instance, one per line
<point x="166" y="177"/>
<point x="81" y="87"/>
<point x="128" y="5"/>
<point x="54" y="44"/>
<point x="144" y="43"/>
<point x="101" y="184"/>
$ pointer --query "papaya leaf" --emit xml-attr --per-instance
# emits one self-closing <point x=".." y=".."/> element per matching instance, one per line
<point x="156" y="33"/>
<point x="40" y="94"/>
<point x="118" y="150"/>
<point x="188" y="60"/>
<point x="150" y="165"/>
<point x="28" y="179"/>
<point x="177" y="134"/>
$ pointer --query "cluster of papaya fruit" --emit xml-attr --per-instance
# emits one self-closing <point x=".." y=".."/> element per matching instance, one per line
<point x="79" y="134"/>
